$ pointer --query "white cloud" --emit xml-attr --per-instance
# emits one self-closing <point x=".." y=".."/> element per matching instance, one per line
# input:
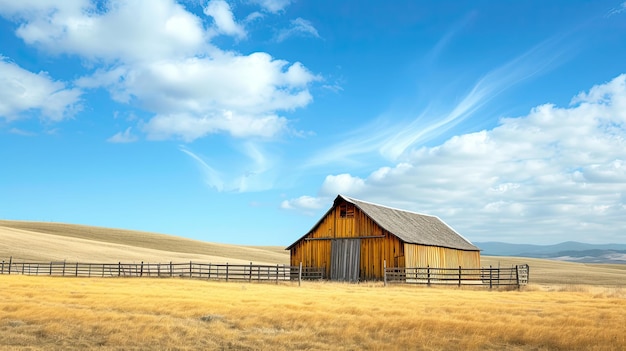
<point x="305" y="204"/>
<point x="22" y="91"/>
<point x="123" y="137"/>
<point x="126" y="30"/>
<point x="157" y="56"/>
<point x="273" y="6"/>
<point x="299" y="27"/>
<point x="224" y="18"/>
<point x="555" y="174"/>
<point x="342" y="184"/>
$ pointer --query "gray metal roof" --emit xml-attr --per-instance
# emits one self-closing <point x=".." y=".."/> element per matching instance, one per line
<point x="411" y="227"/>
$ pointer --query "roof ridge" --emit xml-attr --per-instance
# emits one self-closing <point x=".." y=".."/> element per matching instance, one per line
<point x="389" y="207"/>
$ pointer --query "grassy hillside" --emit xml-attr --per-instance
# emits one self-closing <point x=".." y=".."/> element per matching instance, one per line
<point x="43" y="241"/>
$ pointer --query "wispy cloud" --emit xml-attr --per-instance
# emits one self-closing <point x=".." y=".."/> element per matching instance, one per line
<point x="392" y="138"/>
<point x="21" y="132"/>
<point x="250" y="173"/>
<point x="123" y="137"/>
<point x="273" y="6"/>
<point x="299" y="27"/>
<point x="212" y="178"/>
<point x="617" y="10"/>
<point x="445" y="40"/>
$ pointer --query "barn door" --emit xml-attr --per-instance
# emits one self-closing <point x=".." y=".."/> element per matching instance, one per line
<point x="345" y="259"/>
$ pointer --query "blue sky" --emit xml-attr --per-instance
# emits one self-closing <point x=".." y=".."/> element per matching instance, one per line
<point x="240" y="121"/>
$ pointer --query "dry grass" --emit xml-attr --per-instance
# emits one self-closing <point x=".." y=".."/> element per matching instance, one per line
<point x="552" y="272"/>
<point x="569" y="306"/>
<point x="44" y="241"/>
<point x="43" y="313"/>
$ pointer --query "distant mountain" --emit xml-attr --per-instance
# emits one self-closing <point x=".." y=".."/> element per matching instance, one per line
<point x="566" y="251"/>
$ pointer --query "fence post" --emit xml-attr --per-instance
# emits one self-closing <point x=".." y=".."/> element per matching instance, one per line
<point x="250" y="273"/>
<point x="190" y="270"/>
<point x="384" y="272"/>
<point x="300" y="275"/>
<point x="76" y="272"/>
<point x="277" y="274"/>
<point x="428" y="275"/>
<point x="459" y="276"/>
<point x="51" y="269"/>
<point x="119" y="268"/>
<point x="10" y="263"/>
<point x="209" y="275"/>
<point x="490" y="278"/>
<point x="226" y="271"/>
<point x="2" y="271"/>
<point x="63" y="271"/>
<point x="23" y="268"/>
<point x="171" y="272"/>
<point x="517" y="275"/>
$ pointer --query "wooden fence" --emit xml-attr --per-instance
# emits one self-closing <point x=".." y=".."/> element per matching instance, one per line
<point x="492" y="277"/>
<point x="208" y="271"/>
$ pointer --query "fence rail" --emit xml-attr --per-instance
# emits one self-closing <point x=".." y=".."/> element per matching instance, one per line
<point x="491" y="277"/>
<point x="208" y="271"/>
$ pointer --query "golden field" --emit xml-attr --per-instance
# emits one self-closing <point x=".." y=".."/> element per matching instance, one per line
<point x="44" y="313"/>
<point x="567" y="306"/>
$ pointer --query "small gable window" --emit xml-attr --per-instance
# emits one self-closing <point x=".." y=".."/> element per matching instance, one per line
<point x="346" y="211"/>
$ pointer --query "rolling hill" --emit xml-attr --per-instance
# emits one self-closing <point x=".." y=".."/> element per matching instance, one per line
<point x="44" y="241"/>
<point x="567" y="251"/>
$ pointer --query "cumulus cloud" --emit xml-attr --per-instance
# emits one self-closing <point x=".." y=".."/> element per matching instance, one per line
<point x="224" y="19"/>
<point x="299" y="27"/>
<point x="556" y="174"/>
<point x="22" y="91"/>
<point x="305" y="204"/>
<point x="158" y="56"/>
<point x="129" y="31"/>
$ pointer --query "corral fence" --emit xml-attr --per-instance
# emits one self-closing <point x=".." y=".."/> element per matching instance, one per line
<point x="207" y="271"/>
<point x="515" y="276"/>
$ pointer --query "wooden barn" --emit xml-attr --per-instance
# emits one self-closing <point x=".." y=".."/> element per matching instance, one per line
<point x="354" y="237"/>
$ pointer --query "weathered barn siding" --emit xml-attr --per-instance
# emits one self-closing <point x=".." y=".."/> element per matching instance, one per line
<point x="440" y="257"/>
<point x="337" y="224"/>
<point x="417" y="242"/>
